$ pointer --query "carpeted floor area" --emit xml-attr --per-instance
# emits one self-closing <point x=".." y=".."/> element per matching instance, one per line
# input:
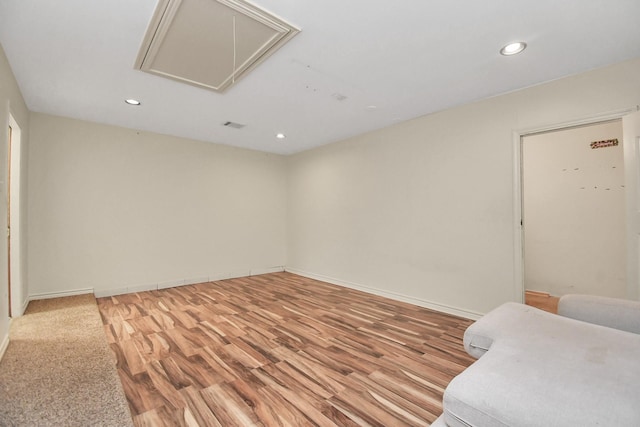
<point x="58" y="369"/>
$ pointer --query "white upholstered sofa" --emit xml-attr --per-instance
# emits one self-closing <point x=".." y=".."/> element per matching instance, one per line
<point x="578" y="368"/>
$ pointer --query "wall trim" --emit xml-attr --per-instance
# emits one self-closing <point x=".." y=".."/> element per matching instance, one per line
<point x="460" y="312"/>
<point x="48" y="295"/>
<point x="4" y="345"/>
<point x="129" y="289"/>
<point x="581" y="121"/>
<point x="259" y="271"/>
<point x="25" y="304"/>
<point x="444" y="308"/>
<point x="518" y="229"/>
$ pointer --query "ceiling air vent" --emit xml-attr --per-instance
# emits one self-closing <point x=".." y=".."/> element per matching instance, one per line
<point x="233" y="125"/>
<point x="210" y="43"/>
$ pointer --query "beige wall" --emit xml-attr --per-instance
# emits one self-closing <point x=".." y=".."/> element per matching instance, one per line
<point x="119" y="210"/>
<point x="424" y="210"/>
<point x="11" y="102"/>
<point x="574" y="212"/>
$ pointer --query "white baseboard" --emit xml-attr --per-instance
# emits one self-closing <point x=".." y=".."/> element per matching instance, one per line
<point x="230" y="275"/>
<point x="259" y="271"/>
<point x="4" y="345"/>
<point x="141" y="288"/>
<point x="112" y="292"/>
<point x="23" y="308"/>
<point x="48" y="295"/>
<point x="467" y="314"/>
<point x="183" y="282"/>
<point x="196" y="280"/>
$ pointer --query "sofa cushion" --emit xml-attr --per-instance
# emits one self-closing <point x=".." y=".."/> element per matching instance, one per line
<point x="612" y="312"/>
<point x="545" y="370"/>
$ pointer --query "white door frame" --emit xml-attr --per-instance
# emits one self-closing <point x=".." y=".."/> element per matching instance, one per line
<point x="15" y="257"/>
<point x="518" y="252"/>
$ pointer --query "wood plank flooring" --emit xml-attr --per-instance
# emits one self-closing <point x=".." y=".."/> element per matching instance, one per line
<point x="542" y="300"/>
<point x="280" y="350"/>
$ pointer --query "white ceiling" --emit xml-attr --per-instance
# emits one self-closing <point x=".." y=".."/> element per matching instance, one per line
<point x="408" y="58"/>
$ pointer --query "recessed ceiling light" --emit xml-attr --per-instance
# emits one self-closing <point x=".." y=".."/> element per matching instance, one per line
<point x="513" y="48"/>
<point x="132" y="101"/>
<point x="281" y="136"/>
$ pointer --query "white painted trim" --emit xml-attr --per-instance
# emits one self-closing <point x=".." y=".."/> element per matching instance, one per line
<point x="196" y="280"/>
<point x="4" y="345"/>
<point x="518" y="240"/>
<point x="259" y="271"/>
<point x="518" y="250"/>
<point x="129" y="289"/>
<point x="233" y="275"/>
<point x="583" y="121"/>
<point x="149" y="287"/>
<point x="48" y="295"/>
<point x="395" y="296"/>
<point x="112" y="292"/>
<point x="141" y="288"/>
<point x="16" y="238"/>
<point x="25" y="304"/>
<point x="171" y="284"/>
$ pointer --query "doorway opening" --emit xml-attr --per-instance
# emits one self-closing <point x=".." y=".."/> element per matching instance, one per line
<point x="573" y="206"/>
<point x="14" y="259"/>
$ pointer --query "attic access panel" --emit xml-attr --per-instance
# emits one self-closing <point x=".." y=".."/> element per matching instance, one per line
<point x="210" y="43"/>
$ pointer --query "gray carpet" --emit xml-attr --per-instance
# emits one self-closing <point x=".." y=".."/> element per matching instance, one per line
<point x="58" y="369"/>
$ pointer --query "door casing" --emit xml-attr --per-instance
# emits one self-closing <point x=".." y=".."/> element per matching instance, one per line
<point x="14" y="244"/>
<point x="518" y="238"/>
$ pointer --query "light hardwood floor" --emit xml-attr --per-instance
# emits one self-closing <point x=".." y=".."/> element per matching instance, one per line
<point x="542" y="300"/>
<point x="278" y="350"/>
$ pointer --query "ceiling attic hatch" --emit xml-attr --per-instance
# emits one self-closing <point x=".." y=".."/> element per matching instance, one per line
<point x="210" y="43"/>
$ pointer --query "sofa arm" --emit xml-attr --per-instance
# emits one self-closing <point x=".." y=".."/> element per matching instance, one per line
<point x="611" y="312"/>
